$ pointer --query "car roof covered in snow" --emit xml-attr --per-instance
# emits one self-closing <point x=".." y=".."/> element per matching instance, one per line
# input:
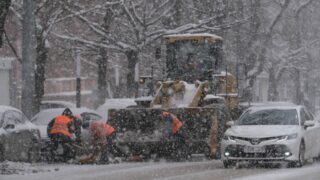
<point x="116" y="103"/>
<point x="275" y="106"/>
<point x="6" y="108"/>
<point x="45" y="116"/>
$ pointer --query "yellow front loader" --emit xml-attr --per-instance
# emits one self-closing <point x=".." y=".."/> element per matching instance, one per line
<point x="196" y="90"/>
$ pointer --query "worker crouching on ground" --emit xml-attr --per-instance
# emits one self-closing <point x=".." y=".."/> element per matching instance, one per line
<point x="102" y="135"/>
<point x="60" y="131"/>
<point x="174" y="131"/>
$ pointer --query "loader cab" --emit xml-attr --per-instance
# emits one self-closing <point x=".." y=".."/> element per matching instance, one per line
<point x="193" y="57"/>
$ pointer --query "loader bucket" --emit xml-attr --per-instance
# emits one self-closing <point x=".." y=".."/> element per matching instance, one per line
<point x="141" y="131"/>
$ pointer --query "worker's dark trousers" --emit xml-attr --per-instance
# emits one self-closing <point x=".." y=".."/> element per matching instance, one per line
<point x="109" y="148"/>
<point x="66" y="142"/>
<point x="104" y="155"/>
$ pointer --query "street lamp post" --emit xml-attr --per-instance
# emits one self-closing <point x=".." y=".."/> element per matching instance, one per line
<point x="78" y="79"/>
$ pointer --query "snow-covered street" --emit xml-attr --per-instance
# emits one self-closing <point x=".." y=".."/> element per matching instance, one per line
<point x="152" y="170"/>
<point x="159" y="89"/>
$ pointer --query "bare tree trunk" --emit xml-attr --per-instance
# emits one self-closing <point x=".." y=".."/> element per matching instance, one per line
<point x="179" y="13"/>
<point x="273" y="94"/>
<point x="249" y="58"/>
<point x="267" y="38"/>
<point x="132" y="57"/>
<point x="4" y="7"/>
<point x="41" y="60"/>
<point x="299" y="95"/>
<point x="102" y="63"/>
<point x="28" y="55"/>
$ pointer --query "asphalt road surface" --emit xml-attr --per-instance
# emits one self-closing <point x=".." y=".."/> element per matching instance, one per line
<point x="155" y="170"/>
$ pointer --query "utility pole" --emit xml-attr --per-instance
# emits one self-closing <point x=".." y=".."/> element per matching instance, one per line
<point x="78" y="79"/>
<point x="117" y="80"/>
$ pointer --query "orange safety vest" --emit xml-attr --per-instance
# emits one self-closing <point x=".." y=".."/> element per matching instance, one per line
<point x="176" y="123"/>
<point x="60" y="125"/>
<point x="100" y="129"/>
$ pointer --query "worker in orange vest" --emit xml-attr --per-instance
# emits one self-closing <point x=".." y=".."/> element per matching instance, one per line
<point x="174" y="131"/>
<point x="61" y="130"/>
<point x="174" y="123"/>
<point x="103" y="135"/>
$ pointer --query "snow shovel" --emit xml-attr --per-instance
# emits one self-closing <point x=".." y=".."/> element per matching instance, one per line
<point x="87" y="159"/>
<point x="91" y="157"/>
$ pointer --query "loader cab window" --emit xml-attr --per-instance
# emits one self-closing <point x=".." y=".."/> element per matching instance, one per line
<point x="187" y="59"/>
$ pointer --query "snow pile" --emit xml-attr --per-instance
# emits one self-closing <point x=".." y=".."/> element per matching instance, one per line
<point x="187" y="97"/>
<point x="8" y="168"/>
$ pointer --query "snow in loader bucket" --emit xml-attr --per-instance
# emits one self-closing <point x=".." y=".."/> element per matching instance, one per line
<point x="142" y="131"/>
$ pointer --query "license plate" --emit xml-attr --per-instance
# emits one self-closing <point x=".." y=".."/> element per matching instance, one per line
<point x="251" y="149"/>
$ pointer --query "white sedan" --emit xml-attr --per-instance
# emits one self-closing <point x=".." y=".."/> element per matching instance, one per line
<point x="266" y="134"/>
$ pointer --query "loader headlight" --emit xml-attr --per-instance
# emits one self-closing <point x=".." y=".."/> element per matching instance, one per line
<point x="288" y="137"/>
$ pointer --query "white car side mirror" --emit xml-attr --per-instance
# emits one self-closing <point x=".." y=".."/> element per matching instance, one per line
<point x="230" y="123"/>
<point x="308" y="123"/>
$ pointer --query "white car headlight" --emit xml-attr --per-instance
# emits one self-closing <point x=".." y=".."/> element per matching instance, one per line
<point x="288" y="137"/>
<point x="228" y="138"/>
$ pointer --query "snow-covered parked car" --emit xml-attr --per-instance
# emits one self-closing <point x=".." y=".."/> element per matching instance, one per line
<point x="43" y="118"/>
<point x="116" y="103"/>
<point x="272" y="133"/>
<point x="19" y="138"/>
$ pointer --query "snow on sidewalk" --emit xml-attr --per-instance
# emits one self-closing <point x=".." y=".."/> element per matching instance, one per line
<point x="21" y="168"/>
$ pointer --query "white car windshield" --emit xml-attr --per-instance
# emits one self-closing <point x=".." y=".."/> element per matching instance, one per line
<point x="269" y="117"/>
